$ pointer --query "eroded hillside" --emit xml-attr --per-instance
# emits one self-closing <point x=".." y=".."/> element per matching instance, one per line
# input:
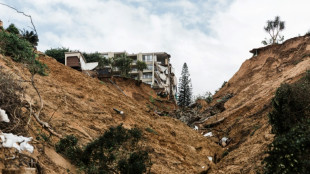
<point x="77" y="104"/>
<point x="245" y="115"/>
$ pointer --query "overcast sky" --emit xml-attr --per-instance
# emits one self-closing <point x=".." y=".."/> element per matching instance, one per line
<point x="212" y="36"/>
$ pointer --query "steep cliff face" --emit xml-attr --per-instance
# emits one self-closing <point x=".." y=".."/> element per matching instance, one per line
<point x="83" y="106"/>
<point x="246" y="113"/>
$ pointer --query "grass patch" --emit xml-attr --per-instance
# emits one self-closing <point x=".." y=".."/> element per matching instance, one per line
<point x="150" y="130"/>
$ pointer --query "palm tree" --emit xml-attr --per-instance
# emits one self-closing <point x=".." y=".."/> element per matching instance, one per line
<point x="123" y="64"/>
<point x="140" y="67"/>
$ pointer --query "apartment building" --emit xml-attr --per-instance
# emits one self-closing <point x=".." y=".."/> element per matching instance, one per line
<point x="159" y="73"/>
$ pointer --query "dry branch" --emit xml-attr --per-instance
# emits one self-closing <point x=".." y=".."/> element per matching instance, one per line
<point x="29" y="16"/>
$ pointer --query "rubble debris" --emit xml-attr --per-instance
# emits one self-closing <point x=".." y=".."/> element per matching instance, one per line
<point x="3" y="116"/>
<point x="118" y="111"/>
<point x="209" y="134"/>
<point x="217" y="122"/>
<point x="224" y="141"/>
<point x="193" y="114"/>
<point x="20" y="143"/>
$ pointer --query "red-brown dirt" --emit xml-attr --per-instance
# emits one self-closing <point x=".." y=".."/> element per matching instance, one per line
<point x="77" y="104"/>
<point x="246" y="114"/>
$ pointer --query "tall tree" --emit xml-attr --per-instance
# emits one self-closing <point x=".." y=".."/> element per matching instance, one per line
<point x="103" y="62"/>
<point x="274" y="28"/>
<point x="140" y="67"/>
<point x="123" y="64"/>
<point x="185" y="88"/>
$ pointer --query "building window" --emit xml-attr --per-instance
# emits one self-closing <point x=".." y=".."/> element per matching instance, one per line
<point x="148" y="83"/>
<point x="147" y="58"/>
<point x="149" y="67"/>
<point x="147" y="75"/>
<point x="134" y="69"/>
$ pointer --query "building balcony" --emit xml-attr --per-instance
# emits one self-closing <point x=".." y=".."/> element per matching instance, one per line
<point x="147" y="70"/>
<point x="146" y="80"/>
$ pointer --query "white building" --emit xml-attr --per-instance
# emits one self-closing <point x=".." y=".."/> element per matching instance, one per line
<point x="77" y="61"/>
<point x="159" y="73"/>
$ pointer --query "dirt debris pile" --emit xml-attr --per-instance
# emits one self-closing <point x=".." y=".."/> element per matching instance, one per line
<point x="243" y="117"/>
<point x="77" y="104"/>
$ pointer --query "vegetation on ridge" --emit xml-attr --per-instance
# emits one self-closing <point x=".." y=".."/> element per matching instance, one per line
<point x="290" y="121"/>
<point x="274" y="28"/>
<point x="20" y="50"/>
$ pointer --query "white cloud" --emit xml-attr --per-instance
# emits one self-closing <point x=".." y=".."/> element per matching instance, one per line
<point x="213" y="37"/>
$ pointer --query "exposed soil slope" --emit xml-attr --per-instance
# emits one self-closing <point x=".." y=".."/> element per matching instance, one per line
<point x="144" y="95"/>
<point x="246" y="114"/>
<point x="77" y="104"/>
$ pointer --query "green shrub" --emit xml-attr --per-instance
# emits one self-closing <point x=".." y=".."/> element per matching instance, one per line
<point x="68" y="147"/>
<point x="135" y="164"/>
<point x="20" y="50"/>
<point x="12" y="29"/>
<point x="223" y="85"/>
<point x="290" y="121"/>
<point x="152" y="100"/>
<point x="38" y="68"/>
<point x="151" y="130"/>
<point x="63" y="144"/>
<point x="57" y="53"/>
<point x="92" y="57"/>
<point x="289" y="153"/>
<point x="225" y="153"/>
<point x="31" y="37"/>
<point x="289" y="106"/>
<point x="117" y="150"/>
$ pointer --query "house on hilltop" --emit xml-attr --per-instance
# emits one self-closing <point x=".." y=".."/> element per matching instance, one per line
<point x="159" y="73"/>
<point x="77" y="61"/>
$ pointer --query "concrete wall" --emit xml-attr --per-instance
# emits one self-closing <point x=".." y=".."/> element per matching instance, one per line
<point x="84" y="65"/>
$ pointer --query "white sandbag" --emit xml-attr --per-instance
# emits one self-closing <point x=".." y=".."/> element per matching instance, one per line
<point x="20" y="143"/>
<point x="3" y="116"/>
<point x="209" y="134"/>
<point x="210" y="158"/>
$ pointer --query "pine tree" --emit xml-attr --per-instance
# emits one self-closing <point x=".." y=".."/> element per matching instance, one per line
<point x="185" y="88"/>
